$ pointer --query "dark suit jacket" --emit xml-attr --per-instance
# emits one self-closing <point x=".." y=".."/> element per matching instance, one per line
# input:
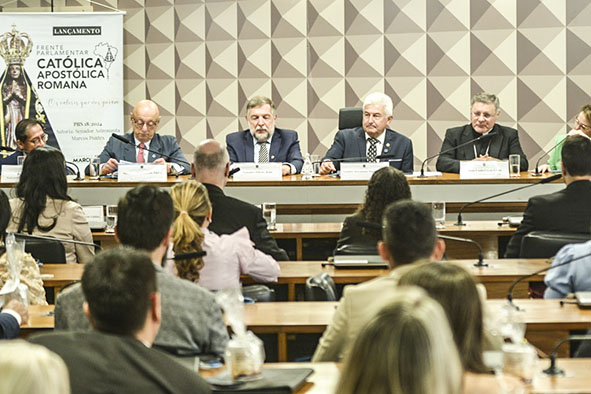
<point x="9" y="327"/>
<point x="351" y="143"/>
<point x="566" y="211"/>
<point x="231" y="214"/>
<point x="165" y="144"/>
<point x="103" y="363"/>
<point x="359" y="237"/>
<point x="285" y="148"/>
<point x="503" y="143"/>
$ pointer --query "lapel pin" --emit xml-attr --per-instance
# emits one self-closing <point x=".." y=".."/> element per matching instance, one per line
<point x="387" y="144"/>
<point x="272" y="157"/>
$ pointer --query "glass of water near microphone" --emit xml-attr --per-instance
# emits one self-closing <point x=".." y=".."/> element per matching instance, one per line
<point x="514" y="165"/>
<point x="270" y="214"/>
<point x="438" y="212"/>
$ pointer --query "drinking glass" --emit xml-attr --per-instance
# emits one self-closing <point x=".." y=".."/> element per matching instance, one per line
<point x="93" y="170"/>
<point x="438" y="211"/>
<point x="514" y="161"/>
<point x="270" y="214"/>
<point x="111" y="218"/>
<point x="20" y="160"/>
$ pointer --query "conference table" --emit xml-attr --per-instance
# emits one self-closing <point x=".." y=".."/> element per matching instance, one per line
<point x="496" y="277"/>
<point x="546" y="320"/>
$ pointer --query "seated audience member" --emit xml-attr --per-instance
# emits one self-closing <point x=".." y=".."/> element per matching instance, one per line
<point x="582" y="127"/>
<point x="123" y="306"/>
<point x="29" y="135"/>
<point x="13" y="314"/>
<point x="210" y="167"/>
<point x="263" y="142"/>
<point x="567" y="210"/>
<point x="372" y="139"/>
<point x="31" y="369"/>
<point x="407" y="347"/>
<point x="503" y="141"/>
<point x="144" y="120"/>
<point x="409" y="238"/>
<point x="387" y="185"/>
<point x="29" y="274"/>
<point x="43" y="207"/>
<point x="228" y="256"/>
<point x="572" y="277"/>
<point x="191" y="320"/>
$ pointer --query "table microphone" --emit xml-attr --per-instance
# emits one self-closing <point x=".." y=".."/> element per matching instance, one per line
<point x="553" y="370"/>
<point x="71" y="241"/>
<point x="233" y="171"/>
<point x="7" y="148"/>
<point x="71" y="165"/>
<point x="480" y="262"/>
<point x="541" y="182"/>
<point x="357" y="159"/>
<point x="189" y="255"/>
<point x="480" y="138"/>
<point x="125" y="140"/>
<point x="521" y="279"/>
<point x="537" y="173"/>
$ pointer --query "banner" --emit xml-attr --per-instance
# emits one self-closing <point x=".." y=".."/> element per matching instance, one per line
<point x="65" y="70"/>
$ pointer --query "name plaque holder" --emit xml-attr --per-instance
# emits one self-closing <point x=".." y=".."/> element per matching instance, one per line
<point x="475" y="169"/>
<point x="147" y="172"/>
<point x="11" y="173"/>
<point x="360" y="171"/>
<point x="258" y="172"/>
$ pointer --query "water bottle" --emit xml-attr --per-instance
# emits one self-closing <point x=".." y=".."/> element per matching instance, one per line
<point x="307" y="169"/>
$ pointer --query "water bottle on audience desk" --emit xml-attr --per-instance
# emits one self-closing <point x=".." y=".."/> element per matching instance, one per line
<point x="307" y="169"/>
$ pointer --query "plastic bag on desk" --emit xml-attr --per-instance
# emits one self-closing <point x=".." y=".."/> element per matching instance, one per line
<point x="13" y="288"/>
<point x="245" y="354"/>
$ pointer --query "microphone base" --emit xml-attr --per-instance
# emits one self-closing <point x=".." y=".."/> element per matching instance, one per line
<point x="554" y="371"/>
<point x="480" y="264"/>
<point x="536" y="174"/>
<point x="459" y="224"/>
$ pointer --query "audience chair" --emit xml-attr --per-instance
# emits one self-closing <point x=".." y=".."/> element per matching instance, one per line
<point x="350" y="117"/>
<point x="541" y="244"/>
<point x="45" y="251"/>
<point x="356" y="250"/>
<point x="320" y="287"/>
<point x="259" y="293"/>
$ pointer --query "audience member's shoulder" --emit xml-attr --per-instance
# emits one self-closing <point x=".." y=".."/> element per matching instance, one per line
<point x="182" y="285"/>
<point x="71" y="292"/>
<point x="57" y="338"/>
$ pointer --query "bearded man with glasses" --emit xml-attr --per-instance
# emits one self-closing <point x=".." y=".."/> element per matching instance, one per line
<point x="144" y="120"/>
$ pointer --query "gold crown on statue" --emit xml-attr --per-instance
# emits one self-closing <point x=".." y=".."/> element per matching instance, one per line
<point x="15" y="46"/>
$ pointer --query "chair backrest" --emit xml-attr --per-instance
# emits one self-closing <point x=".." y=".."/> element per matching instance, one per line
<point x="320" y="287"/>
<point x="259" y="293"/>
<point x="46" y="251"/>
<point x="540" y="244"/>
<point x="350" y="117"/>
<point x="356" y="250"/>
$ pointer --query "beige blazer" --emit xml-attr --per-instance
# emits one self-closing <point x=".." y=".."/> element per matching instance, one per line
<point x="71" y="224"/>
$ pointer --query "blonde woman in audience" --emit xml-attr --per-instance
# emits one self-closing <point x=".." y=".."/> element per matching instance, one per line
<point x="227" y="256"/>
<point x="31" y="369"/>
<point x="406" y="348"/>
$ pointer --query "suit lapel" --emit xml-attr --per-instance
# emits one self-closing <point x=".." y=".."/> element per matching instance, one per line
<point x="361" y="142"/>
<point x="389" y="144"/>
<point x="156" y="146"/>
<point x="496" y="143"/>
<point x="275" y="145"/>
<point x="248" y="146"/>
<point x="129" y="149"/>
<point x="468" y="150"/>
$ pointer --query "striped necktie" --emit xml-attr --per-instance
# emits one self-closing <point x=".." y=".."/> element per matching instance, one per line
<point x="263" y="152"/>
<point x="372" y="152"/>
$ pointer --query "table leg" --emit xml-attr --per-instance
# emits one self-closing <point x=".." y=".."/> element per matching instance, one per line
<point x="291" y="294"/>
<point x="282" y="347"/>
<point x="299" y="249"/>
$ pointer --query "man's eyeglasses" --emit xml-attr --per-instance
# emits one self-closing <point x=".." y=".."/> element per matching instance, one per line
<point x="140" y="123"/>
<point x="485" y="115"/>
<point x="581" y="126"/>
<point x="40" y="139"/>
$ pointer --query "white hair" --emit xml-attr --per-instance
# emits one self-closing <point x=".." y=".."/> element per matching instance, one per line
<point x="380" y="99"/>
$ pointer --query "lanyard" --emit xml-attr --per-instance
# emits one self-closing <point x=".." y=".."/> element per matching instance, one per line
<point x="487" y="148"/>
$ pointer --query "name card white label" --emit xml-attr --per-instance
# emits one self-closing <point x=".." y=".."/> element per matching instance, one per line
<point x="11" y="173"/>
<point x="360" y="171"/>
<point x="474" y="169"/>
<point x="142" y="173"/>
<point x="94" y="213"/>
<point x="258" y="172"/>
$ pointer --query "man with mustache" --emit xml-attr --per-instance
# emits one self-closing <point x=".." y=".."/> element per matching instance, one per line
<point x="263" y="142"/>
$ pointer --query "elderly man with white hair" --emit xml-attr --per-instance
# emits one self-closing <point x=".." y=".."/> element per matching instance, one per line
<point x="371" y="140"/>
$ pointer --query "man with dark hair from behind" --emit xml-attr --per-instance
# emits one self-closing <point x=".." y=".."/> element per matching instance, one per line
<point x="123" y="306"/>
<point x="565" y="211"/>
<point x="409" y="238"/>
<point x="191" y="320"/>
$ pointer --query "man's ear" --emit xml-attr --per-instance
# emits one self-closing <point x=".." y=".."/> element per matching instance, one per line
<point x="117" y="235"/>
<point x="193" y="170"/>
<point x="438" y="250"/>
<point x="227" y="170"/>
<point x="20" y="145"/>
<point x="156" y="308"/>
<point x="166" y="240"/>
<point x="384" y="252"/>
<point x="86" y="311"/>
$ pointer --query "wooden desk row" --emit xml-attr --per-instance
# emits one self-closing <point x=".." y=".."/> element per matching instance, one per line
<point x="546" y="320"/>
<point x="485" y="232"/>
<point x="496" y="277"/>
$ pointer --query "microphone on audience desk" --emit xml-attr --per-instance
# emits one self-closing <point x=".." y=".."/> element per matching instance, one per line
<point x="233" y="171"/>
<point x="63" y="240"/>
<point x="553" y="370"/>
<point x="189" y="255"/>
<point x="124" y="140"/>
<point x="71" y="165"/>
<point x="480" y="262"/>
<point x="480" y="138"/>
<point x="7" y="148"/>
<point x="537" y="173"/>
<point x="541" y="182"/>
<point x="521" y="279"/>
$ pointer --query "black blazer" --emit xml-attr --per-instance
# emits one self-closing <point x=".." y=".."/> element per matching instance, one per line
<point x="231" y="214"/>
<point x="361" y="238"/>
<point x="566" y="211"/>
<point x="503" y="143"/>
<point x="9" y="327"/>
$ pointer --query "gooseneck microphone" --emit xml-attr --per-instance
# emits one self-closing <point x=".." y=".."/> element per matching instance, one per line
<point x="189" y="255"/>
<point x="480" y="138"/>
<point x="521" y="279"/>
<point x="63" y="240"/>
<point x="126" y="141"/>
<point x="358" y="159"/>
<point x="553" y="370"/>
<point x="480" y="262"/>
<point x="537" y="173"/>
<point x="233" y="171"/>
<point x="541" y="182"/>
<point x="72" y="165"/>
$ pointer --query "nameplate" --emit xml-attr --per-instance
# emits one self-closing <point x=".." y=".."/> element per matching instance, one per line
<point x="94" y="213"/>
<point x="360" y="171"/>
<point x="258" y="172"/>
<point x="475" y="169"/>
<point x="11" y="173"/>
<point x="142" y="173"/>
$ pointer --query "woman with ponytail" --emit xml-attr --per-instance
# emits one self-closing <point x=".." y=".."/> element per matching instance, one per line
<point x="227" y="256"/>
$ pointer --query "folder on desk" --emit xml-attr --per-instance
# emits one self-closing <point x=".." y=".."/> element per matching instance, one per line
<point x="583" y="298"/>
<point x="359" y="261"/>
<point x="273" y="381"/>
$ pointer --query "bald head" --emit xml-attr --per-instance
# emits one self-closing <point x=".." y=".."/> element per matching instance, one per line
<point x="144" y="119"/>
<point x="211" y="163"/>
